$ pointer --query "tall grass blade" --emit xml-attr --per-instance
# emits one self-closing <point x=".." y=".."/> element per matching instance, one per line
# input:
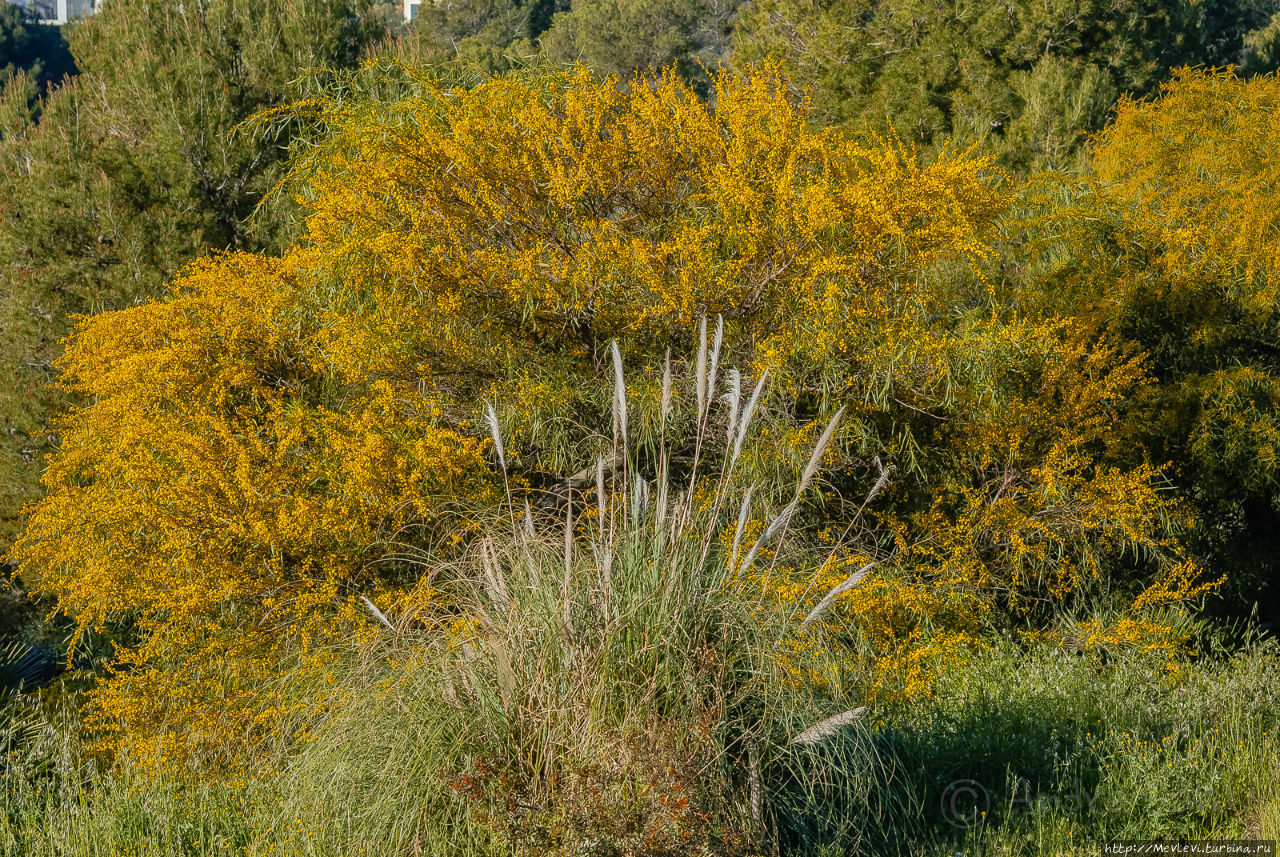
<point x="755" y="792"/>
<point x="566" y="591"/>
<point x="663" y="489"/>
<point x="737" y="533"/>
<point x="666" y="388"/>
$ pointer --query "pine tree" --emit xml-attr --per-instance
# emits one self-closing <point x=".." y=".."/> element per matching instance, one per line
<point x="37" y="50"/>
<point x="485" y="35"/>
<point x="623" y="38"/>
<point x="1030" y="78"/>
<point x="1262" y="48"/>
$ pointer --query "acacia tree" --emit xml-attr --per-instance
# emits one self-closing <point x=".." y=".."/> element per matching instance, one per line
<point x="259" y="447"/>
<point x="1171" y="245"/>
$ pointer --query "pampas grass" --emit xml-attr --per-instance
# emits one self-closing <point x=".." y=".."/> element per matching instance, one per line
<point x="644" y="649"/>
<point x="836" y="591"/>
<point x="778" y="526"/>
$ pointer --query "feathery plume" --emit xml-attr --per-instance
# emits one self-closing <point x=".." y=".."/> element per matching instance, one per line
<point x="701" y="370"/>
<point x="492" y="419"/>
<point x="376" y="612"/>
<point x="600" y="493"/>
<point x="746" y="417"/>
<point x="733" y="398"/>
<point x="824" y="729"/>
<point x="493" y="575"/>
<point x="742" y="523"/>
<point x="619" y="391"/>
<point x="779" y="523"/>
<point x="815" y="460"/>
<point x="666" y="386"/>
<point x="715" y="358"/>
<point x="830" y="598"/>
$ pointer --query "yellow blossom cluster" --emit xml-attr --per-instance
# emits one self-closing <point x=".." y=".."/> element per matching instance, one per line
<point x="1168" y="243"/>
<point x="529" y="220"/>
<point x="222" y="495"/>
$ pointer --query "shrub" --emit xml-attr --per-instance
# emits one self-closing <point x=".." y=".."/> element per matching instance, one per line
<point x="1170" y="246"/>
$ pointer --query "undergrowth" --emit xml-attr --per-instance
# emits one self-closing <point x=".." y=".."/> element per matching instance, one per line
<point x="1058" y="751"/>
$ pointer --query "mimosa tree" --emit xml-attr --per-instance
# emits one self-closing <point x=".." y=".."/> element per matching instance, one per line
<point x="263" y="446"/>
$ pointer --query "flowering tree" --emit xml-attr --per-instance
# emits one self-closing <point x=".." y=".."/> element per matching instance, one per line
<point x="258" y="448"/>
<point x="1171" y="246"/>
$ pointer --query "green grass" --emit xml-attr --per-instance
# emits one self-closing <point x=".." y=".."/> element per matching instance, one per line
<point x="1068" y="752"/>
<point x="1065" y="751"/>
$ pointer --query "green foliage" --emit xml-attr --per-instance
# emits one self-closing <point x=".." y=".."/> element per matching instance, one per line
<point x="37" y="50"/>
<point x="21" y="666"/>
<point x="596" y="709"/>
<point x="265" y="442"/>
<point x="487" y="35"/>
<point x="1030" y="78"/>
<point x="617" y="37"/>
<point x="1068" y="753"/>
<point x="132" y="170"/>
<point x="1049" y="406"/>
<point x="607" y="36"/>
<point x="1262" y="48"/>
<point x="1172" y="245"/>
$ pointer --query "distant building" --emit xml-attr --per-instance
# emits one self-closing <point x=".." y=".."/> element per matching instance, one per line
<point x="411" y="8"/>
<point x="59" y="11"/>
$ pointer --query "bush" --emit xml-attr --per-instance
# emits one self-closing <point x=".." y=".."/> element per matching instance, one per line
<point x="1170" y="246"/>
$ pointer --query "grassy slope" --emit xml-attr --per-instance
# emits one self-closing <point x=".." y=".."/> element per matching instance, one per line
<point x="1067" y="752"/>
